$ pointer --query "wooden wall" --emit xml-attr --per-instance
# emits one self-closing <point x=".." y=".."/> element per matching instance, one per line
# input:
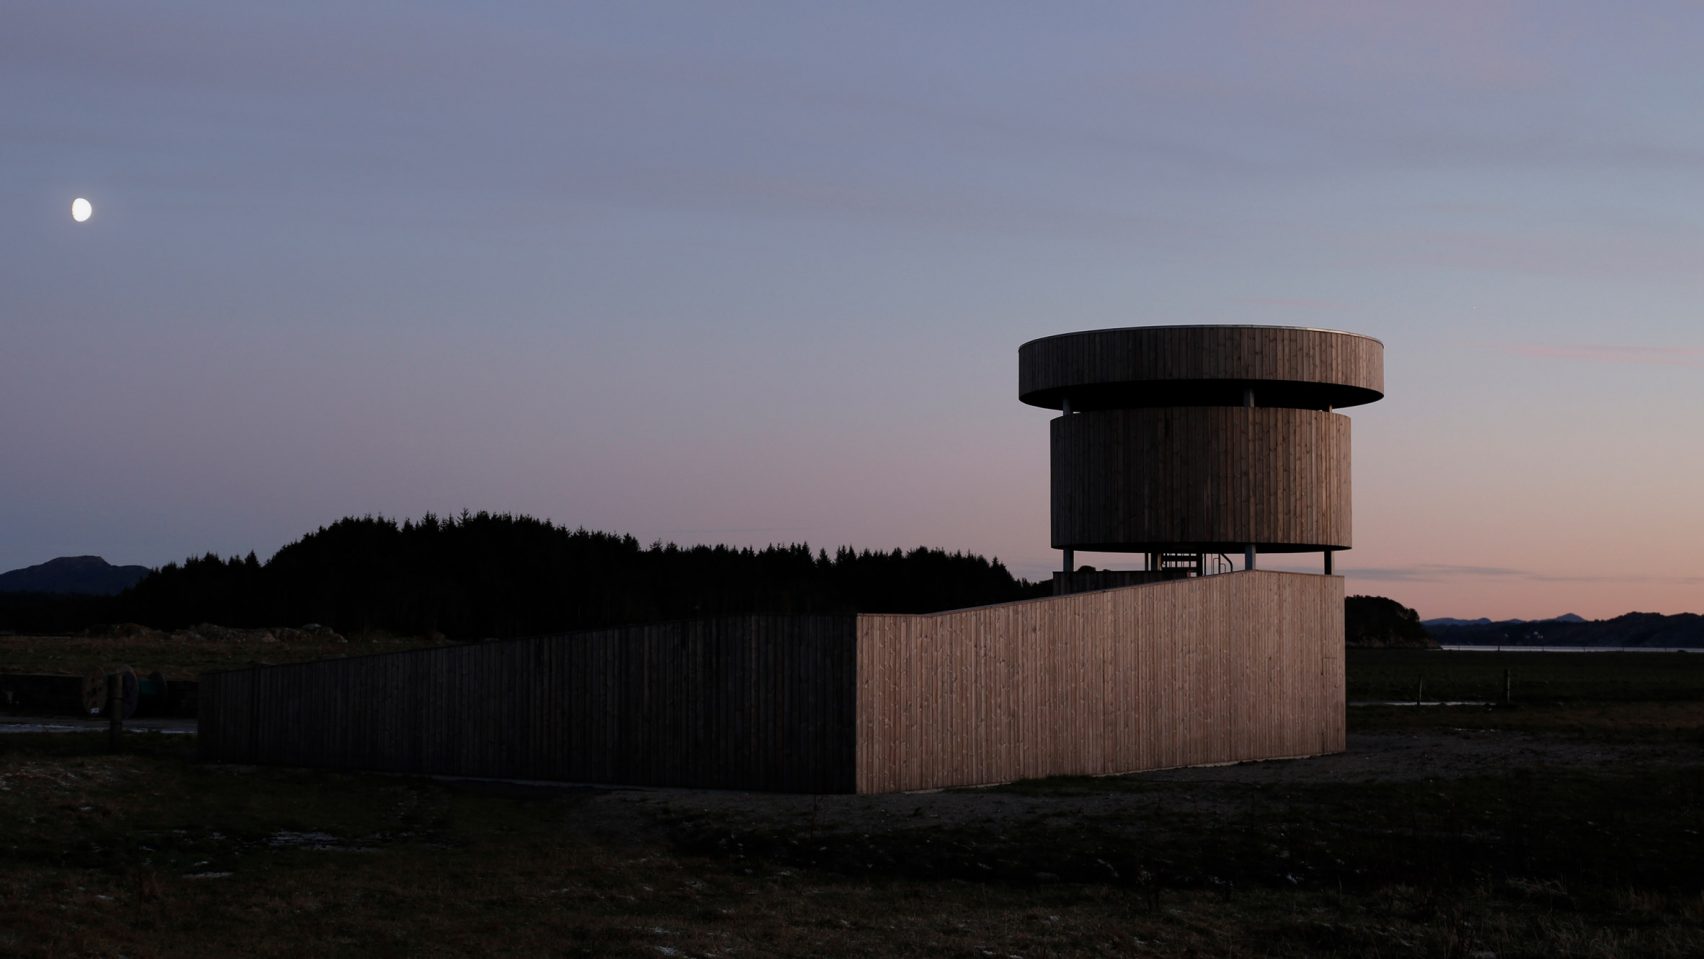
<point x="1342" y="369"/>
<point x="754" y="702"/>
<point x="1201" y="479"/>
<point x="1245" y="665"/>
<point x="1237" y="666"/>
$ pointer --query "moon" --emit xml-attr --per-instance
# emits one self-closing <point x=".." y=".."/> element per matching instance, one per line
<point x="81" y="209"/>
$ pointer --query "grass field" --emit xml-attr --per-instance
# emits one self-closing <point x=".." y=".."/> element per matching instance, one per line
<point x="1397" y="674"/>
<point x="1571" y="826"/>
<point x="185" y="654"/>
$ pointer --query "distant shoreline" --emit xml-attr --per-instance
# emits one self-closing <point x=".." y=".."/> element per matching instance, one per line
<point x="1518" y="648"/>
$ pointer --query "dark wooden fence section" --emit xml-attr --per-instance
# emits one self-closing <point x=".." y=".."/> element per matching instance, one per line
<point x="1216" y="669"/>
<point x="752" y="702"/>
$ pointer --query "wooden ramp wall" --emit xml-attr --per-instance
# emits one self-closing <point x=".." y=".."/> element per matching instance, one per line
<point x="1236" y="666"/>
<point x="1245" y="665"/>
<point x="753" y="702"/>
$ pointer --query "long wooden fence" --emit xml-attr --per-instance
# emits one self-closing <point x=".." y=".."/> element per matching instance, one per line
<point x="1237" y="666"/>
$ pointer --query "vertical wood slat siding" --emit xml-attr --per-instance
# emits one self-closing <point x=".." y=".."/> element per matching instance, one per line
<point x="756" y="702"/>
<point x="1204" y="476"/>
<point x="1238" y="666"/>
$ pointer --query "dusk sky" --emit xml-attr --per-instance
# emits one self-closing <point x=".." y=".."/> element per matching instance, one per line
<point x="755" y="273"/>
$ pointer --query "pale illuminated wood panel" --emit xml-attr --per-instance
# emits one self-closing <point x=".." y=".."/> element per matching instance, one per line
<point x="1210" y="670"/>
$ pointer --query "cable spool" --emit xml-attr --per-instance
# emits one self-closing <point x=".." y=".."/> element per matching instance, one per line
<point x="152" y="691"/>
<point x="95" y="691"/>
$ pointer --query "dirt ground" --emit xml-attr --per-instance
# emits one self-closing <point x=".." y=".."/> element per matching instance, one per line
<point x="1569" y="827"/>
<point x="1373" y="758"/>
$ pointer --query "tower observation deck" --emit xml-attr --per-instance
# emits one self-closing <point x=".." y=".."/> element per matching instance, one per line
<point x="1203" y="440"/>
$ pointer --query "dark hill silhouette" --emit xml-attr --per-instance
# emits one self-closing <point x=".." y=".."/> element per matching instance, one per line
<point x="73" y="576"/>
<point x="1377" y="621"/>
<point x="482" y="574"/>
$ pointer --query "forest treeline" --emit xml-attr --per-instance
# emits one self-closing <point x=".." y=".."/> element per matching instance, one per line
<point x="483" y="575"/>
<point x="1380" y="621"/>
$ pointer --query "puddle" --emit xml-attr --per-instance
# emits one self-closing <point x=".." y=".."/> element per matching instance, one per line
<point x="186" y="728"/>
<point x="1429" y="702"/>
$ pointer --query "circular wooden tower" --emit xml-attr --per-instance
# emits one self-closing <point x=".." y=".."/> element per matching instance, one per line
<point x="1190" y="442"/>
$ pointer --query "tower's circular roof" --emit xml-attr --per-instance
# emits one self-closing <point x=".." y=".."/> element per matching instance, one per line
<point x="1201" y="366"/>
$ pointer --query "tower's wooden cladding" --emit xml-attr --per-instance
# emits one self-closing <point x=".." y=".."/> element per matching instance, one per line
<point x="1202" y="479"/>
<point x="1201" y="438"/>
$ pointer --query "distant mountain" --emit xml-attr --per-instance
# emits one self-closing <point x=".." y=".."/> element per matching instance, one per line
<point x="1485" y="621"/>
<point x="73" y="575"/>
<point x="1628" y="629"/>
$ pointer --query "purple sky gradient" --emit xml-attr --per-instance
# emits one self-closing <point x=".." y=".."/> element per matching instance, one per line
<point x="759" y="272"/>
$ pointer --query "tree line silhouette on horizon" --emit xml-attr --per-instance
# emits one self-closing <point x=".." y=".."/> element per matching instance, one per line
<point x="483" y="575"/>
